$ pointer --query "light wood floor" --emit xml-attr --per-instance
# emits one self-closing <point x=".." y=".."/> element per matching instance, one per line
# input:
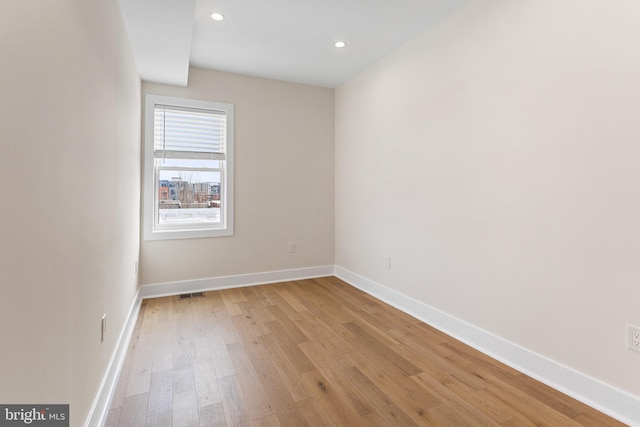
<point x="319" y="353"/>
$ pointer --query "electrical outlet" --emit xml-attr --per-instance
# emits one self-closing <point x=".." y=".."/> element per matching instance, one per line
<point x="136" y="268"/>
<point x="103" y="327"/>
<point x="633" y="338"/>
<point x="292" y="247"/>
<point x="387" y="262"/>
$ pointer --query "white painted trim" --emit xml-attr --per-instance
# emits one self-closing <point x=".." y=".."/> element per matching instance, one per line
<point x="601" y="396"/>
<point x="150" y="230"/>
<point x="100" y="408"/>
<point x="616" y="403"/>
<point x="237" y="281"/>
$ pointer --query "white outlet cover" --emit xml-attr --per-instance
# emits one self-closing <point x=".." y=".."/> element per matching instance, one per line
<point x="103" y="328"/>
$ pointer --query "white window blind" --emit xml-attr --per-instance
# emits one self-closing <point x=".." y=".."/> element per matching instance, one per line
<point x="189" y="133"/>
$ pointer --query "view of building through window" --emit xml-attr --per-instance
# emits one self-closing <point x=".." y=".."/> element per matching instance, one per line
<point x="188" y="197"/>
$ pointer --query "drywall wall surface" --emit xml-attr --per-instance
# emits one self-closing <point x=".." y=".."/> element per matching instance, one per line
<point x="69" y="221"/>
<point x="494" y="158"/>
<point x="284" y="180"/>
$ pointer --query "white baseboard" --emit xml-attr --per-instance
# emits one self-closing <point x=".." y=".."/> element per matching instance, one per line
<point x="100" y="408"/>
<point x="237" y="281"/>
<point x="601" y="396"/>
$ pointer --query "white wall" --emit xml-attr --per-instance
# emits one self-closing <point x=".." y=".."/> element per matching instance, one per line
<point x="284" y="182"/>
<point x="69" y="173"/>
<point x="495" y="159"/>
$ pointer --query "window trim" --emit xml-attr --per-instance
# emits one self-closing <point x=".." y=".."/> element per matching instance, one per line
<point x="149" y="174"/>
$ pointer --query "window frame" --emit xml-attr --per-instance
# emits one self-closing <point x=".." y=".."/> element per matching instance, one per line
<point x="151" y="229"/>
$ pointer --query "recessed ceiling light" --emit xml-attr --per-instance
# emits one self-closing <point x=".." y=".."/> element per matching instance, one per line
<point x="339" y="44"/>
<point x="217" y="16"/>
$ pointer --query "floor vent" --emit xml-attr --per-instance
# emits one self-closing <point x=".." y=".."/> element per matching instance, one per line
<point x="192" y="295"/>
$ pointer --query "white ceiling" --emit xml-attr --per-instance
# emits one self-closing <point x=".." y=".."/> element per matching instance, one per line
<point x="289" y="40"/>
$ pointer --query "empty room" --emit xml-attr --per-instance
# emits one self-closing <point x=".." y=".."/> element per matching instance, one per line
<point x="336" y="213"/>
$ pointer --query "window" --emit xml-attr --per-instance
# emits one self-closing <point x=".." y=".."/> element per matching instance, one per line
<point x="188" y="168"/>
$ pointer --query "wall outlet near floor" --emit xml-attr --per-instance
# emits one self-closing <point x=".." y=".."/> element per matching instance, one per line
<point x="387" y="262"/>
<point x="292" y="247"/>
<point x="136" y="268"/>
<point x="633" y="338"/>
<point x="103" y="327"/>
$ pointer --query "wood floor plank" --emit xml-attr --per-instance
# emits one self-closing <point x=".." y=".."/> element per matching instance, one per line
<point x="163" y="354"/>
<point x="236" y="411"/>
<point x="415" y="399"/>
<point x="113" y="417"/>
<point x="251" y="386"/>
<point x="319" y="303"/>
<point x="331" y="365"/>
<point x="280" y="400"/>
<point x="226" y="327"/>
<point x="370" y="344"/>
<point x="293" y="302"/>
<point x="290" y="328"/>
<point x="484" y="410"/>
<point x="183" y="378"/>
<point x="288" y="372"/>
<point x="337" y="339"/>
<point x="268" y="295"/>
<point x="270" y="421"/>
<point x="390" y="411"/>
<point x="212" y="415"/>
<point x="185" y="409"/>
<point x="591" y="419"/>
<point x="471" y="355"/>
<point x="222" y="363"/>
<point x="256" y="306"/>
<point x="313" y="413"/>
<point x="251" y="332"/>
<point x="207" y="390"/>
<point x="332" y="403"/>
<point x="231" y="299"/>
<point x="439" y="367"/>
<point x="201" y="350"/>
<point x="150" y="317"/>
<point x="290" y="348"/>
<point x="318" y="352"/>
<point x="140" y="375"/>
<point x="452" y="415"/>
<point x="165" y="419"/>
<point x="531" y="409"/>
<point x="161" y="392"/>
<point x="482" y="401"/>
<point x="134" y="411"/>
